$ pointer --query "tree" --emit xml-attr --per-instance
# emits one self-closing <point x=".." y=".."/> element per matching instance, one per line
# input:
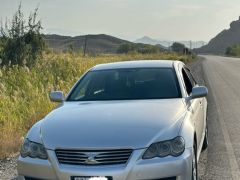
<point x="138" y="47"/>
<point x="70" y="48"/>
<point x="233" y="50"/>
<point x="178" y="47"/>
<point x="126" y="48"/>
<point x="22" y="42"/>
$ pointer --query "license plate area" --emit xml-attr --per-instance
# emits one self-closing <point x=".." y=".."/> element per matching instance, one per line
<point x="90" y="178"/>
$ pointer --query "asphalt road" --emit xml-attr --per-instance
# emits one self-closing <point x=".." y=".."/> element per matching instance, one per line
<point x="222" y="159"/>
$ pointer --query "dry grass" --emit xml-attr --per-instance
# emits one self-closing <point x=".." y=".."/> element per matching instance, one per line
<point x="24" y="92"/>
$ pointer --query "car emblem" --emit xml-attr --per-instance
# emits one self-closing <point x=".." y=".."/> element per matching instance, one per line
<point x="91" y="158"/>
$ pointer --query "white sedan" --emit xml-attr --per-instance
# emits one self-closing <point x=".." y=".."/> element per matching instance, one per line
<point x="135" y="120"/>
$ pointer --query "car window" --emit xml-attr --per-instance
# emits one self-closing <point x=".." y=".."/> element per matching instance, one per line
<point x="187" y="82"/>
<point x="126" y="84"/>
<point x="192" y="79"/>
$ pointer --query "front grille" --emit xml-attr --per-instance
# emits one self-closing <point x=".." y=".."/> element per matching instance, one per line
<point x="93" y="157"/>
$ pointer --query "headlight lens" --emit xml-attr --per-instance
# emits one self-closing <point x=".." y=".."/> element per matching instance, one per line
<point x="33" y="150"/>
<point x="178" y="146"/>
<point x="174" y="147"/>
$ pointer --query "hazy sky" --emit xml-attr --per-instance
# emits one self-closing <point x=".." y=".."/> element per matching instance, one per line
<point x="132" y="19"/>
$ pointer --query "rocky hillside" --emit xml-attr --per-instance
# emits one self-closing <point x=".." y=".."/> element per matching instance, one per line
<point x="94" y="43"/>
<point x="223" y="40"/>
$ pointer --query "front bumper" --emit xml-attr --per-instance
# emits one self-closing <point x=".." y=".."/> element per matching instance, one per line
<point x="179" y="168"/>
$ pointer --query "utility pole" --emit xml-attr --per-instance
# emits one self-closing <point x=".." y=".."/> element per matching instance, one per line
<point x="85" y="46"/>
<point x="190" y="45"/>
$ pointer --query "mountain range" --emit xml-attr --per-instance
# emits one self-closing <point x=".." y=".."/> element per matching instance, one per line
<point x="100" y="43"/>
<point x="166" y="43"/>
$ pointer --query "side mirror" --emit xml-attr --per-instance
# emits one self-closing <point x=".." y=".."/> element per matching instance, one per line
<point x="57" y="96"/>
<point x="198" y="92"/>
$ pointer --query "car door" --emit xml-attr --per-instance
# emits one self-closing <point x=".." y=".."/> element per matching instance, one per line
<point x="201" y="123"/>
<point x="194" y="106"/>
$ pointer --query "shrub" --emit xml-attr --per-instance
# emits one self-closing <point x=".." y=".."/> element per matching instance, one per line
<point x="21" y="43"/>
<point x="178" y="47"/>
<point x="139" y="48"/>
<point x="126" y="48"/>
<point x="233" y="50"/>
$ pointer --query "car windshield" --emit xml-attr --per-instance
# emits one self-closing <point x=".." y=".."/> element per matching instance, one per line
<point x="127" y="84"/>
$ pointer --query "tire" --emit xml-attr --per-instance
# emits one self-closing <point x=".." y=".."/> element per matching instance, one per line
<point x="205" y="142"/>
<point x="194" y="164"/>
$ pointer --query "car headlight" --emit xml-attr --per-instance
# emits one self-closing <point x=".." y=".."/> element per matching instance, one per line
<point x="33" y="150"/>
<point x="174" y="147"/>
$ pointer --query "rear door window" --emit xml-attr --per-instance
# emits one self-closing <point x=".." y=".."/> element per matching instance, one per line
<point x="187" y="81"/>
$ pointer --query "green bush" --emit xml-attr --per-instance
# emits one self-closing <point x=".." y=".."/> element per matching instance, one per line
<point x="139" y="48"/>
<point x="233" y="50"/>
<point x="178" y="47"/>
<point x="21" y="43"/>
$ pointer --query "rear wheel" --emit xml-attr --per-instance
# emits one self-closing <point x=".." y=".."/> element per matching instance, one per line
<point x="194" y="163"/>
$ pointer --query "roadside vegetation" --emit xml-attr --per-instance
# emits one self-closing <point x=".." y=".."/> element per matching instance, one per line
<point x="139" y="48"/>
<point x="29" y="71"/>
<point x="233" y="51"/>
<point x="21" y="41"/>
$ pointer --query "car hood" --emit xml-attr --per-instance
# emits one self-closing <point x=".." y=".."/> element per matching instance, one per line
<point x="112" y="124"/>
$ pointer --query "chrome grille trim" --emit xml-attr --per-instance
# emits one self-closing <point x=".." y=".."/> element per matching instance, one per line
<point x="93" y="157"/>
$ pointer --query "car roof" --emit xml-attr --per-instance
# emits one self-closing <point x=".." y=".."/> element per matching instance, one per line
<point x="135" y="64"/>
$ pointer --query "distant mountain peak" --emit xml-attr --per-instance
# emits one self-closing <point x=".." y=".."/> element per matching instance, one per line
<point x="147" y="37"/>
<point x="147" y="40"/>
<point x="167" y="43"/>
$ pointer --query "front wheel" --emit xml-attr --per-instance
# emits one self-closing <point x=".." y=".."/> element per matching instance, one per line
<point x="194" y="163"/>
